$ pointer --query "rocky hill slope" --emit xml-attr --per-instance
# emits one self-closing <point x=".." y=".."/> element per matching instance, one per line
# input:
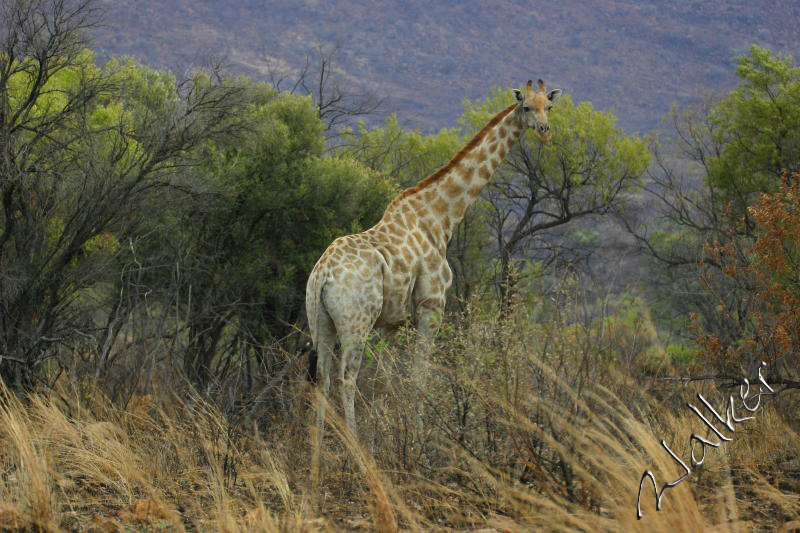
<point x="635" y="56"/>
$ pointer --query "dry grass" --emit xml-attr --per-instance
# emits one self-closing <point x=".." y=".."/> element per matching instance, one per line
<point x="525" y="428"/>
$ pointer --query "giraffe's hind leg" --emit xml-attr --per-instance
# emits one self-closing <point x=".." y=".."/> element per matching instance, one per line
<point x="352" y="354"/>
<point x="326" y="340"/>
<point x="354" y="324"/>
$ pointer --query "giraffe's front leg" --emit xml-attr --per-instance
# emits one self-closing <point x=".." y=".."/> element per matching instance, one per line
<point x="429" y="300"/>
<point x="429" y="305"/>
<point x="429" y="315"/>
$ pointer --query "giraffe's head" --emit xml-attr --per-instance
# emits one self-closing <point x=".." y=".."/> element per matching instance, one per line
<point x="534" y="106"/>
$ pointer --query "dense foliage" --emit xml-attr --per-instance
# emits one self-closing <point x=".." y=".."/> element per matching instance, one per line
<point x="723" y="154"/>
<point x="772" y="331"/>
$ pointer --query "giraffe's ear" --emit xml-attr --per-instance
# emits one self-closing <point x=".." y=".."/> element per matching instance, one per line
<point x="518" y="94"/>
<point x="554" y="95"/>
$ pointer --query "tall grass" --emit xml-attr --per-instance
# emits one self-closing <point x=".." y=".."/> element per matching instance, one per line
<point x="529" y="423"/>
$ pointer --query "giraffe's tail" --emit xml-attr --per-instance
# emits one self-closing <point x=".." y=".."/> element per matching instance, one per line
<point x="314" y="307"/>
<point x="311" y="371"/>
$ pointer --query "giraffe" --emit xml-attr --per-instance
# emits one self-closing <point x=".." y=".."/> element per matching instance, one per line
<point x="375" y="278"/>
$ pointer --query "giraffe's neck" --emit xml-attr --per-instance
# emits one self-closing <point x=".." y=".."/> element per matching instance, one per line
<point x="438" y="202"/>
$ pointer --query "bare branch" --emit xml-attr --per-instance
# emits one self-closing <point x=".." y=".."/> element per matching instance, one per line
<point x="337" y="102"/>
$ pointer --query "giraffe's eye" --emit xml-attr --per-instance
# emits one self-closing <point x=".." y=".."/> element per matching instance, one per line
<point x="526" y="108"/>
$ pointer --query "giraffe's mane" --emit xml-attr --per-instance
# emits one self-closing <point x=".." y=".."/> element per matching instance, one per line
<point x="436" y="176"/>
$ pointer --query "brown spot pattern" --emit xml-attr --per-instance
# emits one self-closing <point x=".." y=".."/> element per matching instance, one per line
<point x="447" y="276"/>
<point x="459" y="207"/>
<point x="439" y="207"/>
<point x="452" y="188"/>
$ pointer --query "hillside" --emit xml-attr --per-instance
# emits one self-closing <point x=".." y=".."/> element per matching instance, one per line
<point x="635" y="56"/>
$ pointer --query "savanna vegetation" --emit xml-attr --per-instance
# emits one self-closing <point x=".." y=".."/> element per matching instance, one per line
<point x="157" y="230"/>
